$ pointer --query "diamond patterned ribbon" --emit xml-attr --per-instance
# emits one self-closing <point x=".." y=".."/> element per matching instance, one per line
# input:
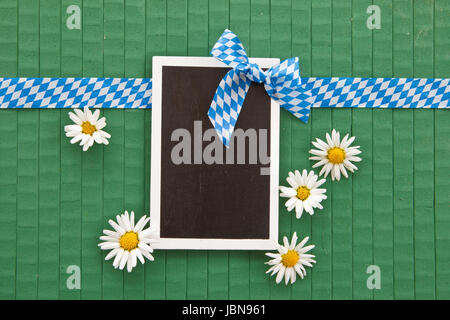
<point x="75" y="93"/>
<point x="282" y="83"/>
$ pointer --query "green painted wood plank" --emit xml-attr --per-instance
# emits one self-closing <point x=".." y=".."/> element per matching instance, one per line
<point x="27" y="159"/>
<point x="49" y="38"/>
<point x="259" y="28"/>
<point x="92" y="162"/>
<point x="341" y="65"/>
<point x="342" y="218"/>
<point x="424" y="240"/>
<point x="301" y="132"/>
<point x="8" y="203"/>
<point x="383" y="215"/>
<point x="49" y="195"/>
<point x="134" y="131"/>
<point x="218" y="284"/>
<point x="383" y="201"/>
<point x="176" y="263"/>
<point x="92" y="29"/>
<point x="156" y="44"/>
<point x="8" y="160"/>
<point x="321" y="232"/>
<point x="8" y="45"/>
<point x="218" y="19"/>
<point x="259" y="47"/>
<point x="198" y="28"/>
<point x="91" y="222"/>
<point x="403" y="205"/>
<point x="301" y="35"/>
<point x="442" y="154"/>
<point x="362" y="180"/>
<point x="28" y="38"/>
<point x="49" y="156"/>
<point x="27" y="205"/>
<point x="71" y="43"/>
<point x="197" y="261"/>
<point x="134" y="186"/>
<point x="114" y="38"/>
<point x="362" y="205"/>
<point x="113" y="194"/>
<point x="70" y="211"/>
<point x="361" y="40"/>
<point x="114" y="154"/>
<point x="321" y="274"/>
<point x="442" y="203"/>
<point x="280" y="47"/>
<point x="403" y="157"/>
<point x="240" y="20"/>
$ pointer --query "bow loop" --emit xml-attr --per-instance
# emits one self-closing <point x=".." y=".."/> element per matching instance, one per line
<point x="282" y="82"/>
<point x="230" y="51"/>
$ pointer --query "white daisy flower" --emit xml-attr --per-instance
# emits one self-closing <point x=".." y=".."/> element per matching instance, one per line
<point x="290" y="260"/>
<point x="128" y="242"/>
<point x="87" y="128"/>
<point x="304" y="192"/>
<point x="335" y="156"/>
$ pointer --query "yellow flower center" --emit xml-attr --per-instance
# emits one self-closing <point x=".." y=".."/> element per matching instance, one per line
<point x="290" y="258"/>
<point x="88" y="128"/>
<point x="303" y="193"/>
<point x="129" y="241"/>
<point x="336" y="155"/>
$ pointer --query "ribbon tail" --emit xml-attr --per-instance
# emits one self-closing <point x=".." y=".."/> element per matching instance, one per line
<point x="296" y="101"/>
<point x="227" y="104"/>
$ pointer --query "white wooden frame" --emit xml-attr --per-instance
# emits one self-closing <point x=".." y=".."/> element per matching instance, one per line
<point x="155" y="194"/>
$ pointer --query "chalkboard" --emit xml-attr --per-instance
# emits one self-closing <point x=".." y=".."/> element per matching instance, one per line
<point x="204" y="195"/>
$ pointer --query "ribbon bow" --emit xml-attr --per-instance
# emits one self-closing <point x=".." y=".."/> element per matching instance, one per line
<point x="282" y="82"/>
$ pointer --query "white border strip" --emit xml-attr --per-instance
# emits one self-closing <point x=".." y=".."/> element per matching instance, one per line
<point x="155" y="188"/>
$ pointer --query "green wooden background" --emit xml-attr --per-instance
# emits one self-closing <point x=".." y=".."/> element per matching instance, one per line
<point x="55" y="199"/>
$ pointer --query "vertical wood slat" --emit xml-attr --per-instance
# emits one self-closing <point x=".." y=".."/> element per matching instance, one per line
<point x="259" y="47"/>
<point x="92" y="161"/>
<point x="301" y="133"/>
<point x="8" y="160"/>
<point x="442" y="154"/>
<point x="218" y="286"/>
<point x="113" y="154"/>
<point x="321" y="235"/>
<point x="134" y="181"/>
<point x="71" y="167"/>
<point x="362" y="179"/>
<point x="156" y="44"/>
<point x="49" y="156"/>
<point x="176" y="263"/>
<point x="197" y="261"/>
<point x="280" y="46"/>
<point x="424" y="240"/>
<point x="403" y="156"/>
<point x="382" y="165"/>
<point x="342" y="191"/>
<point x="27" y="159"/>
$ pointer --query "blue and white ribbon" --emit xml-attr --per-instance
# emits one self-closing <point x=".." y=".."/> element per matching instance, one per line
<point x="75" y="93"/>
<point x="282" y="82"/>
